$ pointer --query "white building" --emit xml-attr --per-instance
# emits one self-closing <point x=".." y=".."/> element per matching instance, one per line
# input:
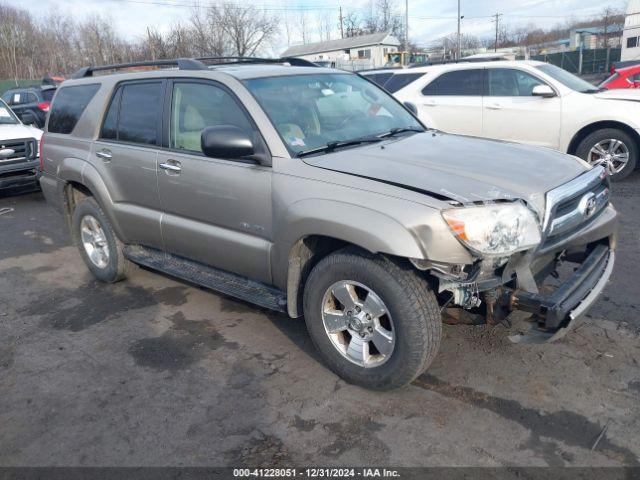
<point x="355" y="53"/>
<point x="631" y="34"/>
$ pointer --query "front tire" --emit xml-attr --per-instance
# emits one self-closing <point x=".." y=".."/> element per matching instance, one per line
<point x="374" y="320"/>
<point x="613" y="148"/>
<point x="99" y="247"/>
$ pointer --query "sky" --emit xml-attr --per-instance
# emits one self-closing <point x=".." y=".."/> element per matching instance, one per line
<point x="428" y="19"/>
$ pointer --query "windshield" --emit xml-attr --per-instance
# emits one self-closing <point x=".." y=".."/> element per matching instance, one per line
<point x="7" y="117"/>
<point x="312" y="111"/>
<point x="568" y="79"/>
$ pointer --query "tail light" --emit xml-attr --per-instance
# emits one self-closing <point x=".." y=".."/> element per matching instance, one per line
<point x="44" y="106"/>
<point x="41" y="153"/>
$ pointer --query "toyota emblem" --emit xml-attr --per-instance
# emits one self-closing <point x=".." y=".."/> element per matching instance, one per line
<point x="587" y="205"/>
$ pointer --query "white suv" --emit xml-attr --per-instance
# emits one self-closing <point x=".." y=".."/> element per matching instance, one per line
<point x="524" y="101"/>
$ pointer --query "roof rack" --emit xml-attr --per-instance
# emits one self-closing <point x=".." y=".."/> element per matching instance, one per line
<point x="192" y="64"/>
<point x="293" y="61"/>
<point x="181" y="63"/>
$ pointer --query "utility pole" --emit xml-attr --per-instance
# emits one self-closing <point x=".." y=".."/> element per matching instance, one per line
<point x="341" y="24"/>
<point x="497" y="20"/>
<point x="406" y="25"/>
<point x="458" y="43"/>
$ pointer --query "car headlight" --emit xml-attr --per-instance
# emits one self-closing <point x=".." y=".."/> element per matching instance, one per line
<point x="499" y="229"/>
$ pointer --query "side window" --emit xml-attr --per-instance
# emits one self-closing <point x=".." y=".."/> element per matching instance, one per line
<point x="68" y="106"/>
<point x="195" y="106"/>
<point x="7" y="97"/>
<point x="31" y="98"/>
<point x="504" y="82"/>
<point x="110" y="124"/>
<point x="140" y="108"/>
<point x="400" y="81"/>
<point x="379" y="78"/>
<point x="457" y="83"/>
<point x="632" y="42"/>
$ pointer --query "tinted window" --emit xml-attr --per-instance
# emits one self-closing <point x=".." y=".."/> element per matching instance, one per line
<point x="68" y="107"/>
<point x="32" y="98"/>
<point x="399" y="81"/>
<point x="110" y="124"/>
<point x="195" y="106"/>
<point x="459" y="83"/>
<point x="47" y="95"/>
<point x="140" y="113"/>
<point x="379" y="78"/>
<point x="504" y="82"/>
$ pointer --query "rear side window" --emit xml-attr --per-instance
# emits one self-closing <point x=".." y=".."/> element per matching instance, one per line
<point x="379" y="78"/>
<point x="134" y="114"/>
<point x="401" y="80"/>
<point x="69" y="105"/>
<point x="457" y="83"/>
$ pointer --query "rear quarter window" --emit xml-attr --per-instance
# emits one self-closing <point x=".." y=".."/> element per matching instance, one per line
<point x="401" y="80"/>
<point x="68" y="106"/>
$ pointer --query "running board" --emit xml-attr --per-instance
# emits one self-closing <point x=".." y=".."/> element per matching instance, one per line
<point x="219" y="280"/>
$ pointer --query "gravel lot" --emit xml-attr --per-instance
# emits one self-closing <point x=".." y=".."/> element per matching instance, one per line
<point x="152" y="371"/>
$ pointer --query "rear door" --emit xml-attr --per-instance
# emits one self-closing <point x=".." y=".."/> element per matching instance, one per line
<point x="452" y="102"/>
<point x="125" y="155"/>
<point x="216" y="211"/>
<point x="511" y="112"/>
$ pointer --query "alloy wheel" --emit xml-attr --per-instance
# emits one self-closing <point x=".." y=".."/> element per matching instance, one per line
<point x="613" y="154"/>
<point x="94" y="241"/>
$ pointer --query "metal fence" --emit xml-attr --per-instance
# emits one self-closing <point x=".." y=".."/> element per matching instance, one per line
<point x="583" y="62"/>
<point x="9" y="84"/>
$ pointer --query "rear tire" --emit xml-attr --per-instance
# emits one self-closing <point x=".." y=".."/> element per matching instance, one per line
<point x="411" y="324"/>
<point x="99" y="247"/>
<point x="602" y="146"/>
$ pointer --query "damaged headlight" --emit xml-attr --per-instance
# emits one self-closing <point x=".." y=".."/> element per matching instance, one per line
<point x="498" y="229"/>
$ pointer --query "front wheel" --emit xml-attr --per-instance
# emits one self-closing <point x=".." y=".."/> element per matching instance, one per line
<point x="612" y="148"/>
<point x="375" y="321"/>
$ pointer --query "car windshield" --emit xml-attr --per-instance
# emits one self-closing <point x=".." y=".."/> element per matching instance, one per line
<point x="568" y="79"/>
<point x="329" y="110"/>
<point x="7" y="117"/>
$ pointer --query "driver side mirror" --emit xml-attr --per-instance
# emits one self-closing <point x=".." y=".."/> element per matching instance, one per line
<point x="544" y="91"/>
<point x="28" y="118"/>
<point x="411" y="107"/>
<point x="226" y="141"/>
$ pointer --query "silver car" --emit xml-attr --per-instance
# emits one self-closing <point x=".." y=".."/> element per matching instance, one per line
<point x="314" y="192"/>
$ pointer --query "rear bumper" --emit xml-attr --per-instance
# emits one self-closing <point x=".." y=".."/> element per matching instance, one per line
<point x="558" y="312"/>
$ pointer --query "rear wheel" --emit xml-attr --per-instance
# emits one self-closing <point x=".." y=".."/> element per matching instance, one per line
<point x="612" y="148"/>
<point x="374" y="321"/>
<point x="99" y="247"/>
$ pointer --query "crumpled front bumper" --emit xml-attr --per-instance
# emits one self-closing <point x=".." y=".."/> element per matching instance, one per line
<point x="19" y="175"/>
<point x="558" y="312"/>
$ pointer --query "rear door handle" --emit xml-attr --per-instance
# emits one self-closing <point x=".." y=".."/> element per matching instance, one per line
<point x="494" y="106"/>
<point x="430" y="103"/>
<point x="172" y="167"/>
<point x="104" y="154"/>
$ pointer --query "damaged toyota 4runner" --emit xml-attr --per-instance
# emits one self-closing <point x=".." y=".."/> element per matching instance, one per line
<point x="313" y="192"/>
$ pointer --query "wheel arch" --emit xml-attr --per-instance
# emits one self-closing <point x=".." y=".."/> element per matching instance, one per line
<point x="595" y="126"/>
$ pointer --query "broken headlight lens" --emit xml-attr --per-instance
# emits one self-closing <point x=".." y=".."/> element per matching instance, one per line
<point x="497" y="229"/>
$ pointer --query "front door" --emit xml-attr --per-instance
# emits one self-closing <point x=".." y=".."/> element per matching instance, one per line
<point x="511" y="112"/>
<point x="216" y="211"/>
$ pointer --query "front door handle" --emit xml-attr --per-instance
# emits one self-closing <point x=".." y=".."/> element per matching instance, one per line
<point x="494" y="106"/>
<point x="430" y="103"/>
<point x="104" y="154"/>
<point x="172" y="167"/>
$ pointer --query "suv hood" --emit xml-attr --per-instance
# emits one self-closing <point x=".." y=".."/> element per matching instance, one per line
<point x="619" y="94"/>
<point x="460" y="168"/>
<point x="12" y="132"/>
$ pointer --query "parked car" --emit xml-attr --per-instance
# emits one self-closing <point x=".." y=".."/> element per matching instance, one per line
<point x="18" y="151"/>
<point x="628" y="77"/>
<point x="32" y="100"/>
<point x="528" y="102"/>
<point x="313" y="192"/>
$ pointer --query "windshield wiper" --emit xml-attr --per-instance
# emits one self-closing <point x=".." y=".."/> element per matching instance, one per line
<point x="397" y="130"/>
<point x="331" y="146"/>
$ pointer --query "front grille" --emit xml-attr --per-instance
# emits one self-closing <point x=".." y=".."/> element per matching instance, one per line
<point x="15" y="151"/>
<point x="574" y="205"/>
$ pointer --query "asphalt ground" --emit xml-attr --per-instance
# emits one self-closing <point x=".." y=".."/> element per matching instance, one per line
<point x="155" y="372"/>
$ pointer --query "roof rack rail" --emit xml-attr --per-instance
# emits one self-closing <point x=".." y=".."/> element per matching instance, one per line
<point x="181" y="63"/>
<point x="293" y="61"/>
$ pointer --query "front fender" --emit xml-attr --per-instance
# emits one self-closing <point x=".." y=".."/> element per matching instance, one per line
<point x="369" y="229"/>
